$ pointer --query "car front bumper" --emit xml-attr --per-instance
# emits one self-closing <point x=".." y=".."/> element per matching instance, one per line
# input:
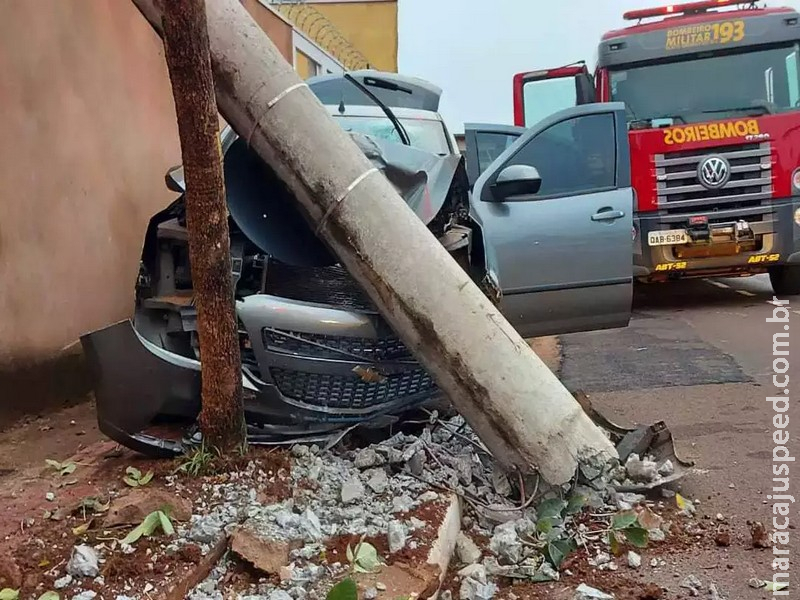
<point x="308" y="371"/>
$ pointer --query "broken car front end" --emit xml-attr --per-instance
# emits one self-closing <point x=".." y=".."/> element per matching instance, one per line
<point x="316" y="355"/>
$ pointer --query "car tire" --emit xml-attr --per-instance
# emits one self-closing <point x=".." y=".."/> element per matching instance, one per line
<point x="785" y="280"/>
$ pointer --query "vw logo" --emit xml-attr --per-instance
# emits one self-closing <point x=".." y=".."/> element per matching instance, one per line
<point x="714" y="172"/>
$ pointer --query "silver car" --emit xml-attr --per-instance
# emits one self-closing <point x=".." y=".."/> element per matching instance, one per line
<point x="541" y="218"/>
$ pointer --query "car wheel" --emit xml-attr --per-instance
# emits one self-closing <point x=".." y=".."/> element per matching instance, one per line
<point x="785" y="280"/>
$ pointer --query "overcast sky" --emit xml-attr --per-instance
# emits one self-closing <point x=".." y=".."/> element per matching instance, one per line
<point x="473" y="48"/>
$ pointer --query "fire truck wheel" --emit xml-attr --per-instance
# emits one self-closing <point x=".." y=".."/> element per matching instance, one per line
<point x="785" y="280"/>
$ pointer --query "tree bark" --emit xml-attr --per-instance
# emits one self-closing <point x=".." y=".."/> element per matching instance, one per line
<point x="189" y="64"/>
<point x="512" y="400"/>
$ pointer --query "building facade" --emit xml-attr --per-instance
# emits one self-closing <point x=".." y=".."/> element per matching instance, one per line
<point x="357" y="33"/>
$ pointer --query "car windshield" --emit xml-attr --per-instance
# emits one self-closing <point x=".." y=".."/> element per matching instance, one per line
<point x="425" y="134"/>
<point x="750" y="83"/>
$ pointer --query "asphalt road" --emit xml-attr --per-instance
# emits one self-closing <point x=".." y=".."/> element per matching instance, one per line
<point x="698" y="355"/>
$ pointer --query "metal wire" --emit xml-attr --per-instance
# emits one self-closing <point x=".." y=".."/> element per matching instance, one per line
<point x="321" y="30"/>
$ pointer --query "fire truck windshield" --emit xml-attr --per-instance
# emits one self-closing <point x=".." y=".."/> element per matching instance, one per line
<point x="707" y="87"/>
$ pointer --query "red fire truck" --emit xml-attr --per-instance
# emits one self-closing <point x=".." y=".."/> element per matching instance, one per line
<point x="712" y="96"/>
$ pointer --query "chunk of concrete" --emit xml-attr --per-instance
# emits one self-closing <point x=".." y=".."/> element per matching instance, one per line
<point x="84" y="562"/>
<point x="467" y="551"/>
<point x="265" y="555"/>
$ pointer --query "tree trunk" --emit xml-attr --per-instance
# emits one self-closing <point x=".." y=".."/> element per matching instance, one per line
<point x="512" y="400"/>
<point x="189" y="64"/>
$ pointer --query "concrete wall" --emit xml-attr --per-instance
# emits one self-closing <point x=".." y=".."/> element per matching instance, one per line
<point x="88" y="133"/>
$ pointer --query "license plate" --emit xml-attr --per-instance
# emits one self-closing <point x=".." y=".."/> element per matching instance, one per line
<point x="669" y="237"/>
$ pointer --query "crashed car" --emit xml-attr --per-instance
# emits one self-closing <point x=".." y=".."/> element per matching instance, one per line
<point x="551" y="245"/>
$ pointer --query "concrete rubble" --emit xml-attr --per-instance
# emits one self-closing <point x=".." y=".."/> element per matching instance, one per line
<point x="393" y="493"/>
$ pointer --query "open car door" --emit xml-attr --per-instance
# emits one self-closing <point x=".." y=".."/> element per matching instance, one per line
<point x="555" y="208"/>
<point x="484" y="143"/>
<point x="538" y="94"/>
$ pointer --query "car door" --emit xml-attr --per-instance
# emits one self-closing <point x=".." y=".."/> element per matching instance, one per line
<point x="555" y="209"/>
<point x="483" y="143"/>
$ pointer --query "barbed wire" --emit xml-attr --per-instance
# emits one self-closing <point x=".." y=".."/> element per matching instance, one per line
<point x="321" y="30"/>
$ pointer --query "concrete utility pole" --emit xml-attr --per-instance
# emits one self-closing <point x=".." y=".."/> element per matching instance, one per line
<point x="189" y="64"/>
<point x="512" y="400"/>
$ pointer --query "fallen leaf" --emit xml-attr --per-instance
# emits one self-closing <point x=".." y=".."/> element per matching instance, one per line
<point x="623" y="519"/>
<point x="82" y="528"/>
<point x="9" y="594"/>
<point x="49" y="596"/>
<point x="344" y="590"/>
<point x="369" y="375"/>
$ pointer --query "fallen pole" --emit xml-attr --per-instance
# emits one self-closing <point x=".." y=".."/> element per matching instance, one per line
<point x="518" y="407"/>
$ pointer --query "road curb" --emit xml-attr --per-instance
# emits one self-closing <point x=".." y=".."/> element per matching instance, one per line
<point x="443" y="547"/>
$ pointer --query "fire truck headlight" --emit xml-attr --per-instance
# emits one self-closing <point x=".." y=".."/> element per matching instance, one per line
<point x="796" y="180"/>
<point x="797" y="216"/>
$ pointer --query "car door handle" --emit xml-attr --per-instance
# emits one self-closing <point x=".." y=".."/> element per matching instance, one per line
<point x="607" y="214"/>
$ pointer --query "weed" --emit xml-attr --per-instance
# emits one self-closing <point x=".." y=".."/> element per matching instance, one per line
<point x="198" y="461"/>
<point x="134" y="477"/>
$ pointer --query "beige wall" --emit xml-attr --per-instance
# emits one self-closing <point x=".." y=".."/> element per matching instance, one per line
<point x="88" y="132"/>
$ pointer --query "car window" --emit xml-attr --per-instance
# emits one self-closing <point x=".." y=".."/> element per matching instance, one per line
<point x="425" y="134"/>
<point x="492" y="145"/>
<point x="573" y="156"/>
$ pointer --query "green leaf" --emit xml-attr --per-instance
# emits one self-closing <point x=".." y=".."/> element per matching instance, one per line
<point x="623" y="520"/>
<point x="366" y="559"/>
<point x="9" y="594"/>
<point x="51" y="463"/>
<point x="146" y="478"/>
<point x="166" y="524"/>
<point x="544" y="525"/>
<point x="558" y="550"/>
<point x="49" y="596"/>
<point x="134" y="472"/>
<point x="554" y="534"/>
<point x="773" y="586"/>
<point x="576" y="503"/>
<point x="551" y="508"/>
<point x="147" y="527"/>
<point x="68" y="468"/>
<point x="344" y="590"/>
<point x="613" y="541"/>
<point x="638" y="536"/>
<point x="131" y="482"/>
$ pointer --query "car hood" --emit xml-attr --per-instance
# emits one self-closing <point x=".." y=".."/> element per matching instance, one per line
<point x="265" y="210"/>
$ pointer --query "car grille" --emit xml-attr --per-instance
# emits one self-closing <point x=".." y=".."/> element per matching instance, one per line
<point x="335" y="347"/>
<point x="331" y="285"/>
<point x="679" y="190"/>
<point x="336" y="391"/>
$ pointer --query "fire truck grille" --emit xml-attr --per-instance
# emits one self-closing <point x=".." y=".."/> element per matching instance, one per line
<point x="680" y="191"/>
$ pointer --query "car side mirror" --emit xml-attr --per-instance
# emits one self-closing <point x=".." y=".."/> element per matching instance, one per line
<point x="174" y="180"/>
<point x="516" y="180"/>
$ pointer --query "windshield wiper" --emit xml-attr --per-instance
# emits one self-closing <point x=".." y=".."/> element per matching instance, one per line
<point x="762" y="106"/>
<point x="401" y="131"/>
